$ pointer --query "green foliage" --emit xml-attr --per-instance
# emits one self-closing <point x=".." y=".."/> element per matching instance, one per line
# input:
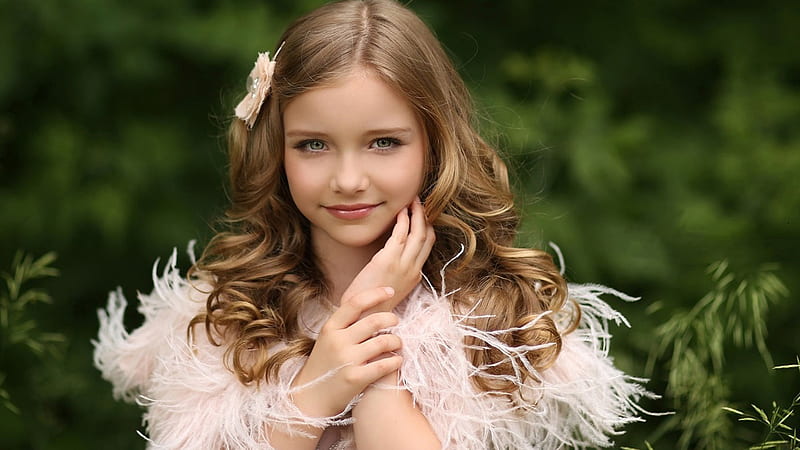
<point x="647" y="447"/>
<point x="17" y="327"/>
<point x="5" y="398"/>
<point x="736" y="307"/>
<point x="778" y="431"/>
<point x="696" y="342"/>
<point x="654" y="137"/>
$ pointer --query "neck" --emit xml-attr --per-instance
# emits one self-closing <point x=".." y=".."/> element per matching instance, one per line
<point x="340" y="263"/>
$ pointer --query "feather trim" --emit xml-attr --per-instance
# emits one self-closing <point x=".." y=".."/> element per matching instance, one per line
<point x="581" y="401"/>
<point x="192" y="400"/>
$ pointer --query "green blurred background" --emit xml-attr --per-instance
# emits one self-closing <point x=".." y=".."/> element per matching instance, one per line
<point x="648" y="139"/>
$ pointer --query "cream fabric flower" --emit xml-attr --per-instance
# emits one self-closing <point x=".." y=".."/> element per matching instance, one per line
<point x="258" y="83"/>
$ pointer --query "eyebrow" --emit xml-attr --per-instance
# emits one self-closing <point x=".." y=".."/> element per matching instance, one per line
<point x="375" y="132"/>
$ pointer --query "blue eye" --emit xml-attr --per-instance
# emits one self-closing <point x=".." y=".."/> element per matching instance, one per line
<point x="311" y="145"/>
<point x="385" y="143"/>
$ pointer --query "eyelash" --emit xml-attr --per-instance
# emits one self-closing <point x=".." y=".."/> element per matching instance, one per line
<point x="393" y="142"/>
<point x="303" y="146"/>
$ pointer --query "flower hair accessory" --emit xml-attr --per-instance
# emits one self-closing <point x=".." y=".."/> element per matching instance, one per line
<point x="258" y="83"/>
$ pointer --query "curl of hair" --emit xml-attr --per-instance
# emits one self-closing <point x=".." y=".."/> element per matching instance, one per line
<point x="262" y="265"/>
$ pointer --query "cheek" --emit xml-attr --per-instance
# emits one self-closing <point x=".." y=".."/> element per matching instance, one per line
<point x="407" y="183"/>
<point x="421" y="165"/>
<point x="291" y="177"/>
<point x="298" y="180"/>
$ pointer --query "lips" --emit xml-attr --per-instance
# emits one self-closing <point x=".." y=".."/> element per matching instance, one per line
<point x="351" y="211"/>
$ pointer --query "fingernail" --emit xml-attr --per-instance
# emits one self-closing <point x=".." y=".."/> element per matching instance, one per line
<point x="389" y="291"/>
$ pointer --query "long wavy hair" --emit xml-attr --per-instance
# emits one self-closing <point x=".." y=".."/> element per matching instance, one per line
<point x="262" y="265"/>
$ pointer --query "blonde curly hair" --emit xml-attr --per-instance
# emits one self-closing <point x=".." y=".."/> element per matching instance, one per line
<point x="262" y="264"/>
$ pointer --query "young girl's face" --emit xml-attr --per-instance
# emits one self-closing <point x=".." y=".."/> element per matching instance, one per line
<point x="354" y="157"/>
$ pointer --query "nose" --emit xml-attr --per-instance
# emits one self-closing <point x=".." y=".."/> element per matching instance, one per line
<point x="350" y="175"/>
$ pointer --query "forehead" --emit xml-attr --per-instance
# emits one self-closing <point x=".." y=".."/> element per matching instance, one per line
<point x="360" y="98"/>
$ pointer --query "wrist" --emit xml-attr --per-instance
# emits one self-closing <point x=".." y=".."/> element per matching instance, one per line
<point x="309" y="400"/>
<point x="390" y="381"/>
<point x="385" y="389"/>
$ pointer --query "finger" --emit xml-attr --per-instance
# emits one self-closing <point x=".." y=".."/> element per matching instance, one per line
<point x="418" y="220"/>
<point x="350" y="310"/>
<point x="375" y="370"/>
<point x="400" y="230"/>
<point x="427" y="246"/>
<point x="370" y="325"/>
<point x="374" y="347"/>
<point x="418" y="234"/>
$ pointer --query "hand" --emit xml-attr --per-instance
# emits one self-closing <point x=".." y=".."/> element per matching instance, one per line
<point x="399" y="263"/>
<point x="349" y="345"/>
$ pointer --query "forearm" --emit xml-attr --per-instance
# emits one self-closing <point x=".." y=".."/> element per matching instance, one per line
<point x="301" y="437"/>
<point x="387" y="419"/>
<point x="281" y="440"/>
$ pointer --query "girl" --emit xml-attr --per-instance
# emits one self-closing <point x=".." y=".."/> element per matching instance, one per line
<point x="309" y="321"/>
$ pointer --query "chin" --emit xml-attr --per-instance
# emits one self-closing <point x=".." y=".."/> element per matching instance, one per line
<point x="362" y="238"/>
<point x="363" y="242"/>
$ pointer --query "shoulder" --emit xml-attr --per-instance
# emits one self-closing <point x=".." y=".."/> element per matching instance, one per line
<point x="128" y="359"/>
<point x="173" y="294"/>
<point x="581" y="400"/>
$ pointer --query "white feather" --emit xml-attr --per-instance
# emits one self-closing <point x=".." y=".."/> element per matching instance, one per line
<point x="193" y="401"/>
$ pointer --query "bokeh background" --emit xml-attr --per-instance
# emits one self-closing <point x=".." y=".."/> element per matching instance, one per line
<point x="650" y="140"/>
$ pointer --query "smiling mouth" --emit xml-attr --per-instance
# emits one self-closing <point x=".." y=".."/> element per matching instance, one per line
<point x="351" y="212"/>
